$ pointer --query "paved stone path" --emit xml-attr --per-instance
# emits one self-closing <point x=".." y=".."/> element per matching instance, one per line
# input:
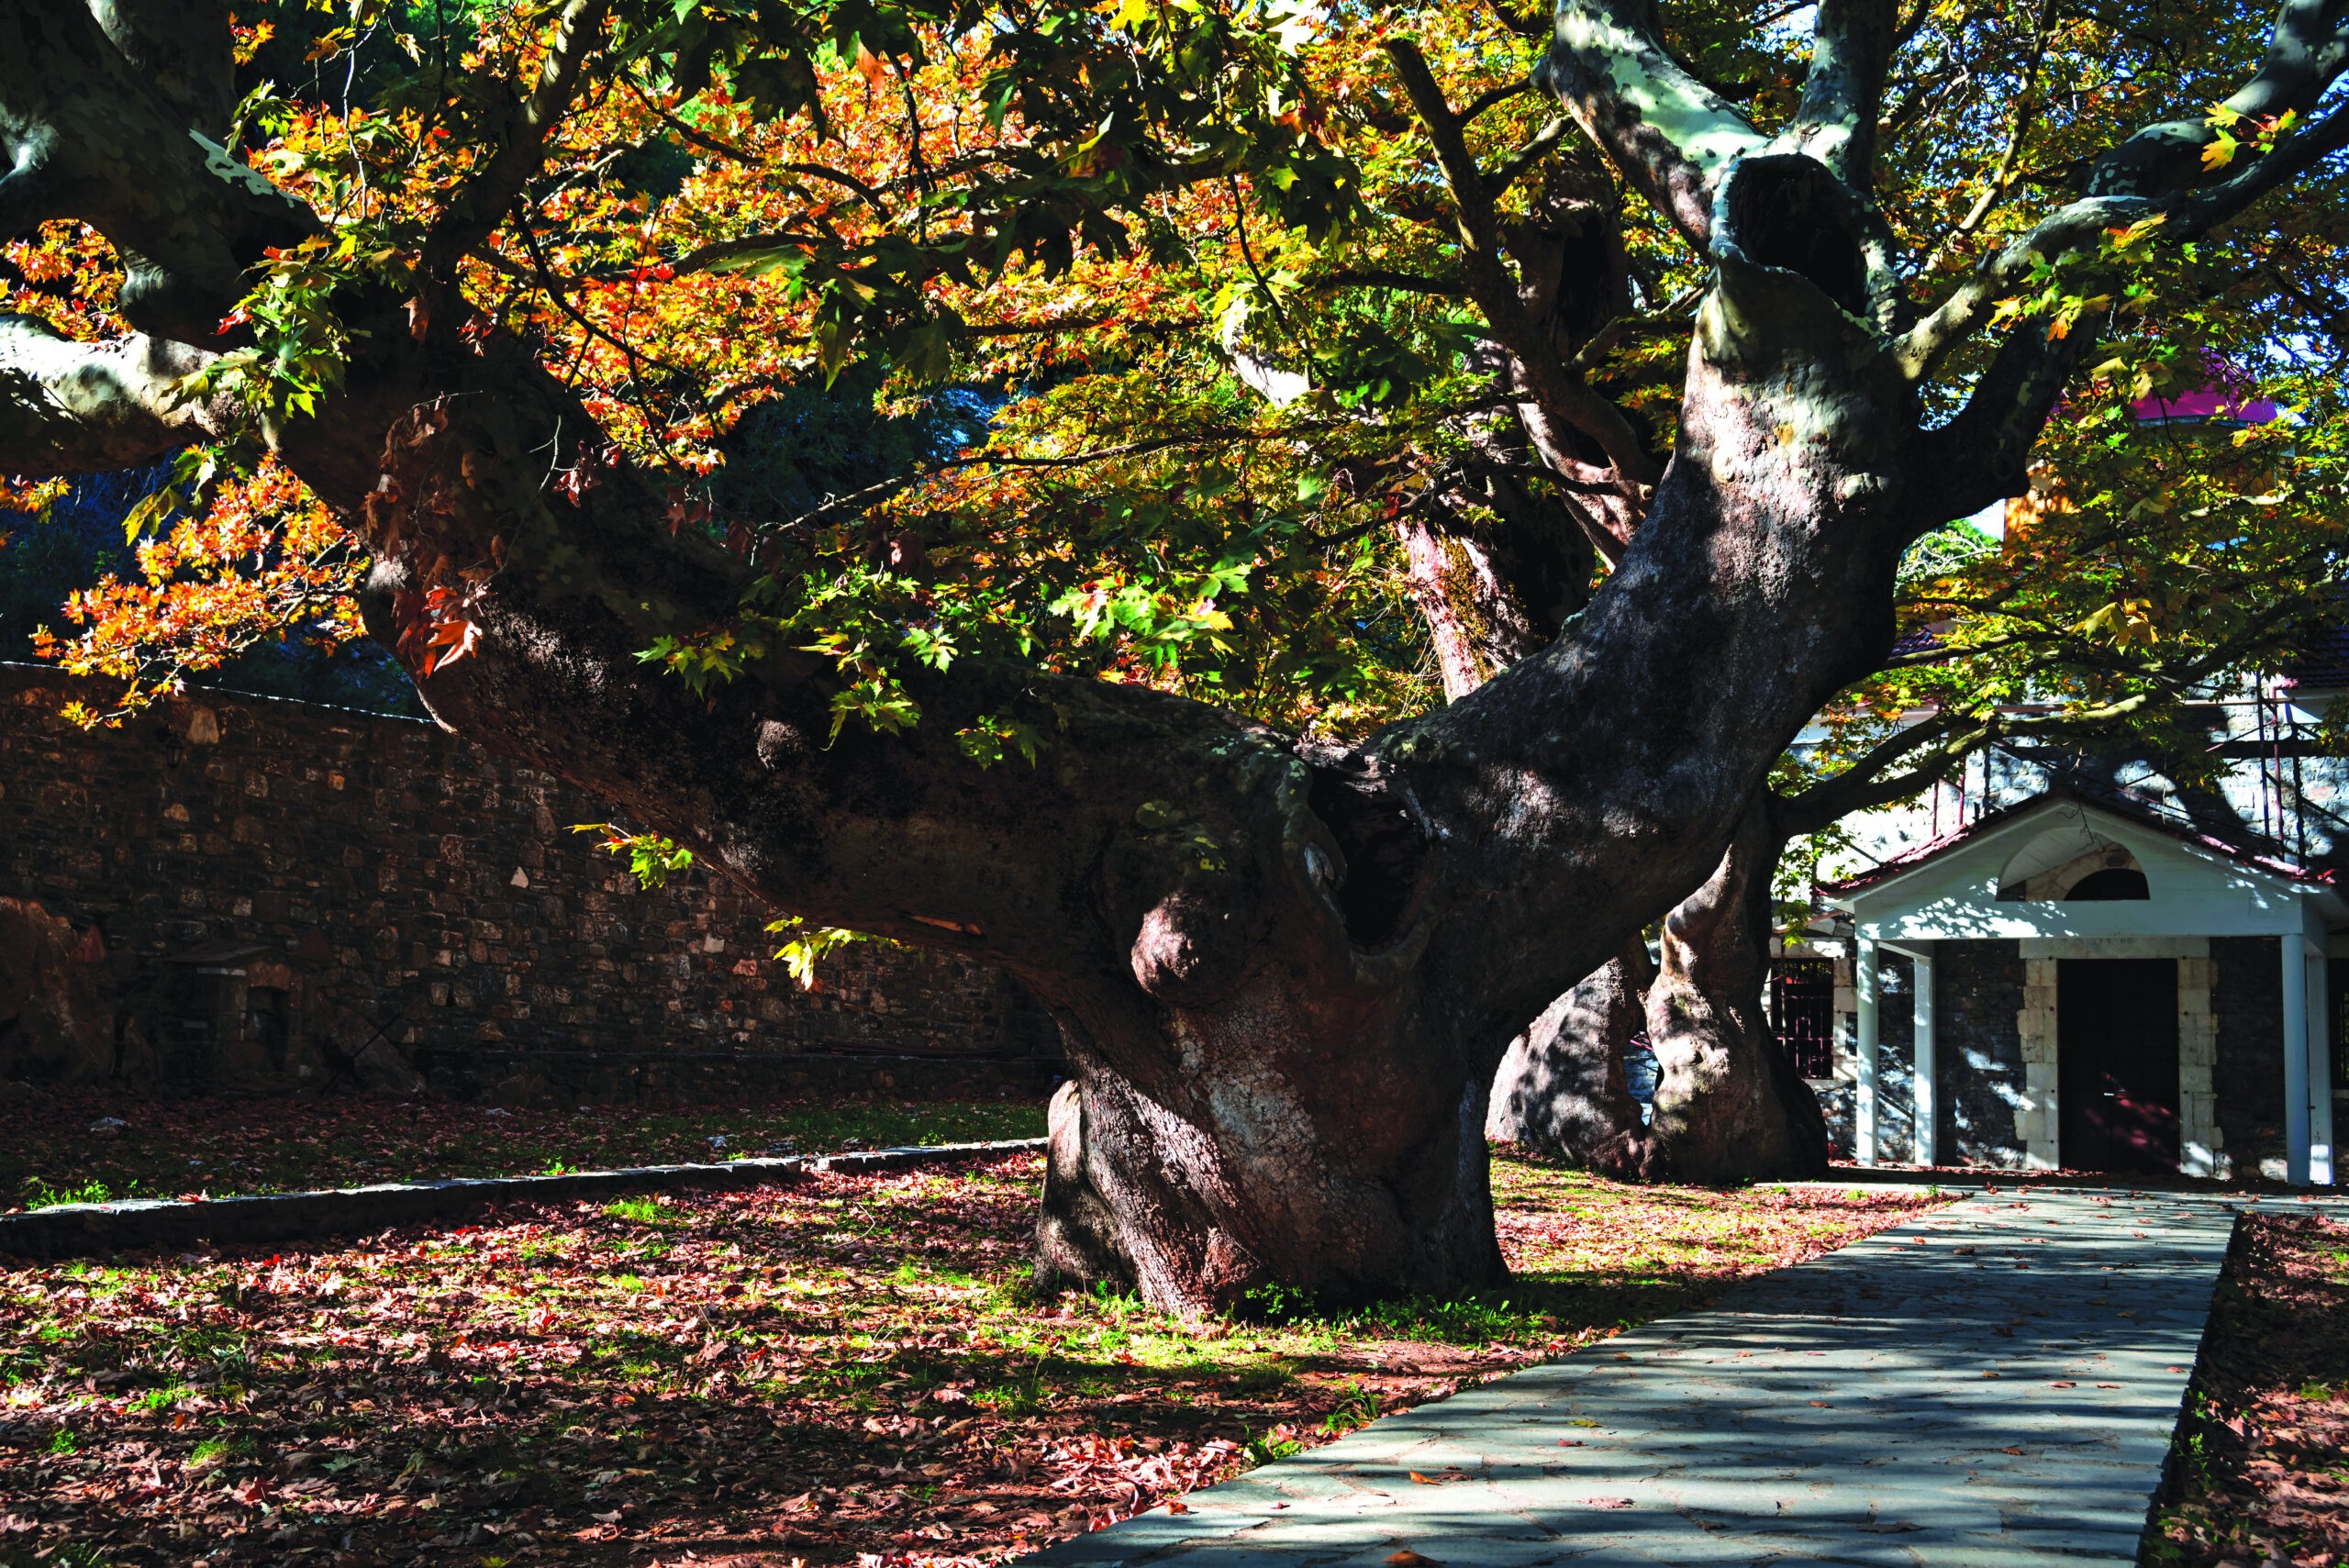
<point x="1992" y="1384"/>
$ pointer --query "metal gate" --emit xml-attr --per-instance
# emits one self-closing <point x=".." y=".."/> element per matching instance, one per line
<point x="1802" y="1012"/>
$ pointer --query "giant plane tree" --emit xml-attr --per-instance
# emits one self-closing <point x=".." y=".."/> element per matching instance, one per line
<point x="1606" y="363"/>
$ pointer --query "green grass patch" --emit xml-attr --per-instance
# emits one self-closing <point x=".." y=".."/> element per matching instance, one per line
<point x="39" y="1193"/>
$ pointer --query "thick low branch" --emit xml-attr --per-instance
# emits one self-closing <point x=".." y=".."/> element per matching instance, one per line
<point x="1864" y="786"/>
<point x="68" y="407"/>
<point x="1984" y="454"/>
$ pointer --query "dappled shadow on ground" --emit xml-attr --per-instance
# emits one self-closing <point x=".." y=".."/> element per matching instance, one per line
<point x="847" y="1365"/>
<point x="1997" y="1382"/>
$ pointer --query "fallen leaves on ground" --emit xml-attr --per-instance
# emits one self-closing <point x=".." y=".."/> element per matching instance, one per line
<point x="55" y="1145"/>
<point x="845" y="1370"/>
<point x="2260" y="1465"/>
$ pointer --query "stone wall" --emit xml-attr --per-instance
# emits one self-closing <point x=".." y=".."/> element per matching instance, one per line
<point x="1977" y="1051"/>
<point x="2247" y="1075"/>
<point x="279" y="889"/>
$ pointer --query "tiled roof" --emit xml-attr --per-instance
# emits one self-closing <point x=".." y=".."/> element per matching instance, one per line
<point x="2115" y="805"/>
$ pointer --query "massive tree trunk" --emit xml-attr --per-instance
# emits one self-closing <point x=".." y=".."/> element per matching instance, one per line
<point x="1287" y="969"/>
<point x="1560" y="1090"/>
<point x="1729" y="1105"/>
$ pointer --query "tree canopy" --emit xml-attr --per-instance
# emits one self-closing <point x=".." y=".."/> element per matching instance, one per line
<point x="1213" y="290"/>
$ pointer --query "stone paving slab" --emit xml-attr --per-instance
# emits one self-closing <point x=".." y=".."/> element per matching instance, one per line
<point x="1991" y="1384"/>
<point x="101" y="1230"/>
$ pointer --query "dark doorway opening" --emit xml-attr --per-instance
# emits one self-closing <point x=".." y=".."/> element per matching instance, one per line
<point x="2116" y="1022"/>
<point x="1802" y="1013"/>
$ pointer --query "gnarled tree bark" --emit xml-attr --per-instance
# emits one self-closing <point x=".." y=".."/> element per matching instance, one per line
<point x="1561" y="1090"/>
<point x="1729" y="1105"/>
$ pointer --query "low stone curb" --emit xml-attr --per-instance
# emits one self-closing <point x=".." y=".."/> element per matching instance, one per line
<point x="101" y="1230"/>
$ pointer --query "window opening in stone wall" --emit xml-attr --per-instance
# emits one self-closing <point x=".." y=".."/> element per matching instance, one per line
<point x="265" y="1028"/>
<point x="2112" y="884"/>
<point x="1802" y="1012"/>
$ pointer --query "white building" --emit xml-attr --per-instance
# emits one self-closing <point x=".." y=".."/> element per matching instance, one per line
<point x="2072" y="982"/>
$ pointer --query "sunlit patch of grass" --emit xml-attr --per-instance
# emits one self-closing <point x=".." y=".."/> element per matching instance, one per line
<point x="1016" y="1400"/>
<point x="1356" y="1407"/>
<point x="155" y="1401"/>
<point x="1264" y="1377"/>
<point x="1265" y="1447"/>
<point x="39" y="1193"/>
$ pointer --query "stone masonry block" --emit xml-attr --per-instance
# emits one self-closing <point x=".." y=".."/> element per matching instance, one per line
<point x="216" y="852"/>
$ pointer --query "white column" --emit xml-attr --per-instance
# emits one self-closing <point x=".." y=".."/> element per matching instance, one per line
<point x="1926" y="1146"/>
<point x="1864" y="1091"/>
<point x="2295" y="1058"/>
<point x="2319" y="1069"/>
